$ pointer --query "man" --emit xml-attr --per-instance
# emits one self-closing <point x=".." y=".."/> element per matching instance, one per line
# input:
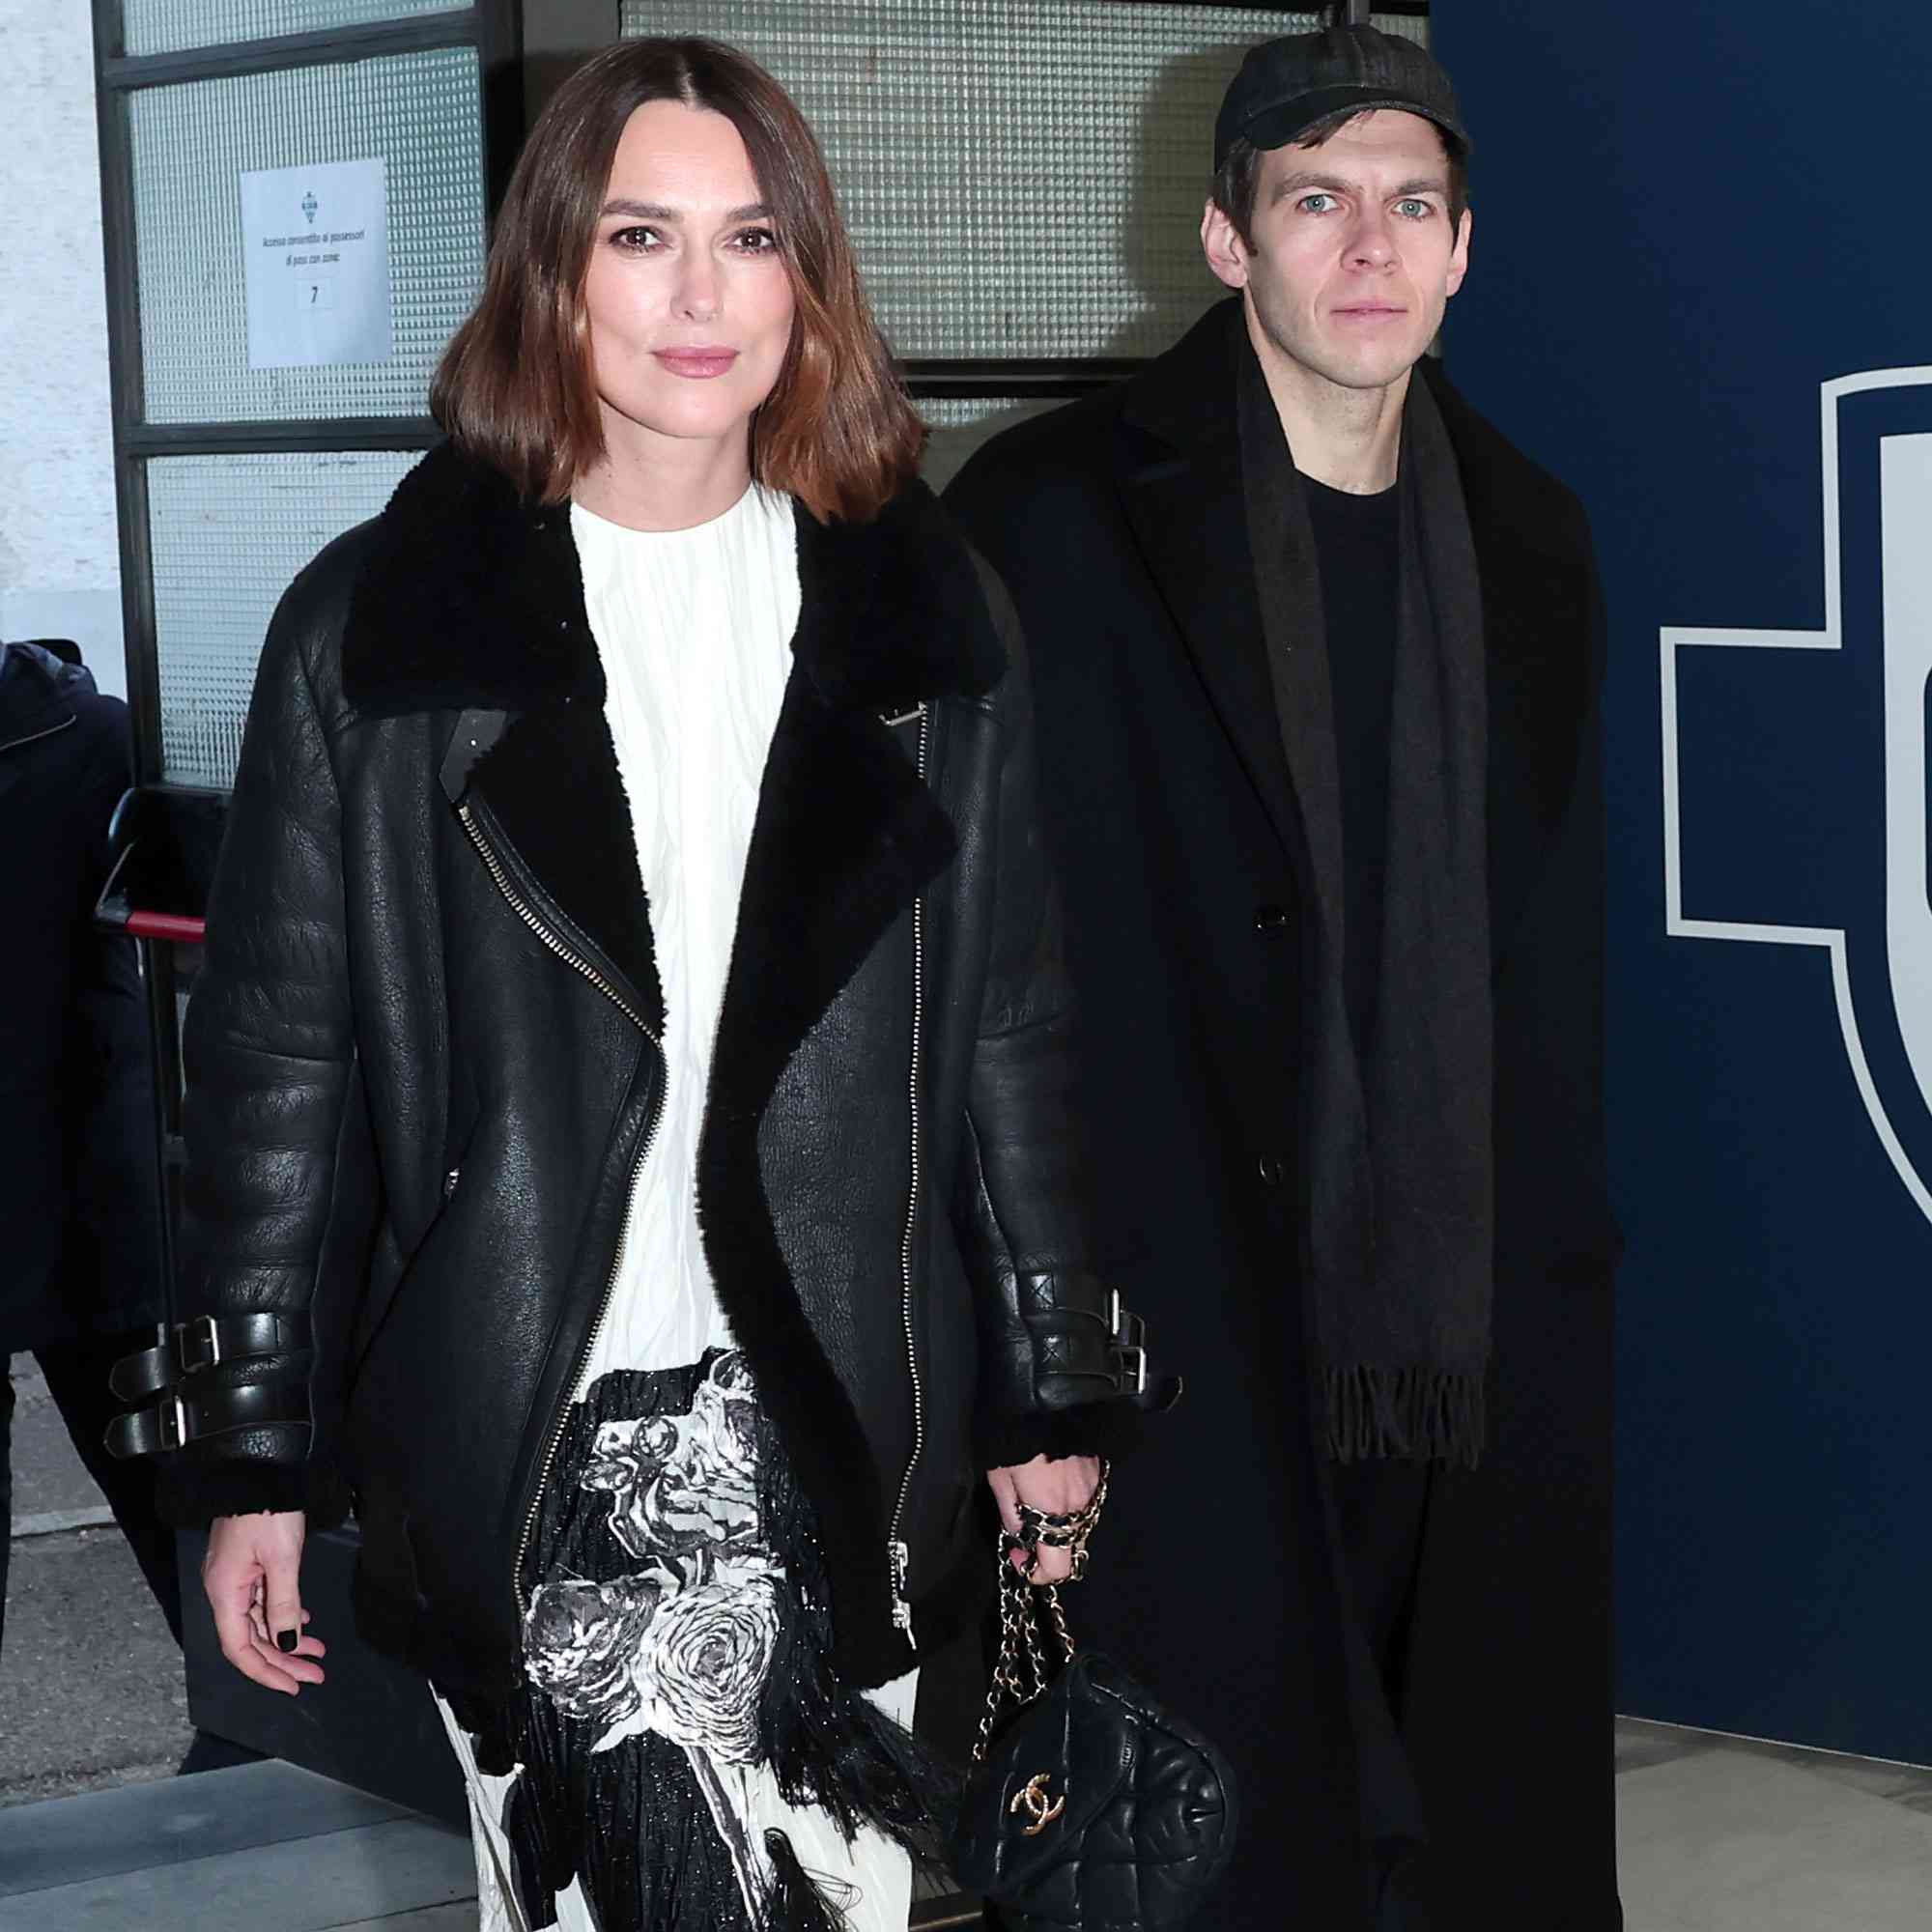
<point x="1317" y="654"/>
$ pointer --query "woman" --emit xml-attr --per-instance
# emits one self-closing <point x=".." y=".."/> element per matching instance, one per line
<point x="628" y="1080"/>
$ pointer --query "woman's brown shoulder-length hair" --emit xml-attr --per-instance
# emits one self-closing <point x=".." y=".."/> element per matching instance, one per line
<point x="515" y="388"/>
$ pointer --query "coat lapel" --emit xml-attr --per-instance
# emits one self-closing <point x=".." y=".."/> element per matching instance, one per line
<point x="846" y="837"/>
<point x="1542" y="643"/>
<point x="1181" y="489"/>
<point x="847" y="832"/>
<point x="472" y="601"/>
<point x="1180" y="486"/>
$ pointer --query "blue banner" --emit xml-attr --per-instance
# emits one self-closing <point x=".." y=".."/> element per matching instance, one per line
<point x="1701" y="293"/>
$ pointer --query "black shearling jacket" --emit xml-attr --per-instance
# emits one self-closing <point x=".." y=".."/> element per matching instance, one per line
<point x="422" y="1067"/>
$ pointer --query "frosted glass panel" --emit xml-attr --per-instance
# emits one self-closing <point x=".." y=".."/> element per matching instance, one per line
<point x="1410" y="26"/>
<point x="960" y="425"/>
<point x="229" y="533"/>
<point x="420" y="112"/>
<point x="1021" y="181"/>
<point x="167" y="26"/>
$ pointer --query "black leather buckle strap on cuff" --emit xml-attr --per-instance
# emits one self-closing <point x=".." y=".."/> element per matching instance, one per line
<point x="1129" y="1333"/>
<point x="199" y="1345"/>
<point x="186" y="1415"/>
<point x="1126" y="1338"/>
<point x="1157" y="1395"/>
<point x="1107" y="1361"/>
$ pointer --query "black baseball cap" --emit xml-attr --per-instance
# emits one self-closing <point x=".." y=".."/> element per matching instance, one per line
<point x="1286" y="86"/>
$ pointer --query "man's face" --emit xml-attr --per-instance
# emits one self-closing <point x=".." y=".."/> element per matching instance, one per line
<point x="1352" y="259"/>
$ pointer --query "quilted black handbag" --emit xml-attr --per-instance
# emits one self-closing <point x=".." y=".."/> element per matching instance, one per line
<point x="1091" y="1808"/>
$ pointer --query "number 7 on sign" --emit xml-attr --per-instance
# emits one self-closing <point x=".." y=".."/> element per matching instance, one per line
<point x="315" y="293"/>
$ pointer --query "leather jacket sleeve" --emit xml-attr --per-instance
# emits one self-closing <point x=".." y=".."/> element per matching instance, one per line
<point x="269" y="1055"/>
<point x="1060" y="1363"/>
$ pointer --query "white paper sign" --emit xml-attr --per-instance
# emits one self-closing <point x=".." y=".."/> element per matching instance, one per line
<point x="317" y="263"/>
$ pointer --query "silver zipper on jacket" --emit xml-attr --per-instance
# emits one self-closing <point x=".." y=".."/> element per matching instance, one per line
<point x="897" y="1557"/>
<point x="520" y="906"/>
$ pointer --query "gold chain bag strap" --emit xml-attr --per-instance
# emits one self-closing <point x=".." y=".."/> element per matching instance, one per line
<point x="1088" y="1805"/>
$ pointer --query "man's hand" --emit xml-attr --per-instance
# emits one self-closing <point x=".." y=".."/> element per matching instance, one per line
<point x="1054" y="1487"/>
<point x="252" y="1574"/>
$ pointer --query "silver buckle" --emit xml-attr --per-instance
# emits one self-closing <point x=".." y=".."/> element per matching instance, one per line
<point x="173" y="1413"/>
<point x="1122" y="1324"/>
<point x="202" y="1330"/>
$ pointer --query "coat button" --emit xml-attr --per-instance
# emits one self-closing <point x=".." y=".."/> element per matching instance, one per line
<point x="1271" y="918"/>
<point x="1269" y="1170"/>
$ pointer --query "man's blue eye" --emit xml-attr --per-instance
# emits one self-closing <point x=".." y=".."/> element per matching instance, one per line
<point x="1308" y="202"/>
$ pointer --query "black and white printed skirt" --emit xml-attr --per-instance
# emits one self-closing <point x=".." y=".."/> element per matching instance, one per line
<point x="683" y="1759"/>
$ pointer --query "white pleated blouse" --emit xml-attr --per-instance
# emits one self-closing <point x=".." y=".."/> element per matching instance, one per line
<point x="694" y="628"/>
<point x="695" y="631"/>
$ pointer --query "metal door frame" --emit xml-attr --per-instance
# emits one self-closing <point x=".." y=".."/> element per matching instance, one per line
<point x="365" y="1747"/>
<point x="494" y="29"/>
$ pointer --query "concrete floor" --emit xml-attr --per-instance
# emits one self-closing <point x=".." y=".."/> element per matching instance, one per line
<point x="261" y="1848"/>
<point x="1717" y="1835"/>
<point x="1720" y="1834"/>
<point x="91" y="1688"/>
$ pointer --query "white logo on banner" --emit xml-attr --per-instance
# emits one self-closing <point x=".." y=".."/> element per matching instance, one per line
<point x="1905" y="464"/>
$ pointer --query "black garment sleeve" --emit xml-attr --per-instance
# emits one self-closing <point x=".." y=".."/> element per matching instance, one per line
<point x="1555" y="1219"/>
<point x="1054" y="1379"/>
<point x="269" y="1053"/>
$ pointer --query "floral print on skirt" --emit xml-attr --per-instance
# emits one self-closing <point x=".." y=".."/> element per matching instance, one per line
<point x="631" y="1790"/>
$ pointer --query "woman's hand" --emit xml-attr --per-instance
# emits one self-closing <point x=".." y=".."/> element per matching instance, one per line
<point x="252" y="1574"/>
<point x="1055" y="1487"/>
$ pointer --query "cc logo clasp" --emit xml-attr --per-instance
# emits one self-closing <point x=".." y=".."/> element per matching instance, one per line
<point x="1031" y="1799"/>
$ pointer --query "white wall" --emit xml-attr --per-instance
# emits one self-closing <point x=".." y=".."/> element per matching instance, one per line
<point x="59" y="568"/>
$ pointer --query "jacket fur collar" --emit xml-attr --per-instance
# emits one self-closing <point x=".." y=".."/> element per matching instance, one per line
<point x="472" y="599"/>
<point x="472" y="603"/>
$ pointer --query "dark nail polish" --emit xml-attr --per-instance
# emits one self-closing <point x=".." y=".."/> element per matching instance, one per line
<point x="286" y="1640"/>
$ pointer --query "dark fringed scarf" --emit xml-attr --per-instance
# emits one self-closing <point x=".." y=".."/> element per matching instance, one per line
<point x="631" y="1824"/>
<point x="1398" y="1146"/>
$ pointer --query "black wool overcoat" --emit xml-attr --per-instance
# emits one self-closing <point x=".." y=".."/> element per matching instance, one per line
<point x="79" y="1198"/>
<point x="1118" y="524"/>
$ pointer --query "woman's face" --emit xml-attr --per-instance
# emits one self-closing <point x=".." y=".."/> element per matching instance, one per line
<point x="689" y="303"/>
